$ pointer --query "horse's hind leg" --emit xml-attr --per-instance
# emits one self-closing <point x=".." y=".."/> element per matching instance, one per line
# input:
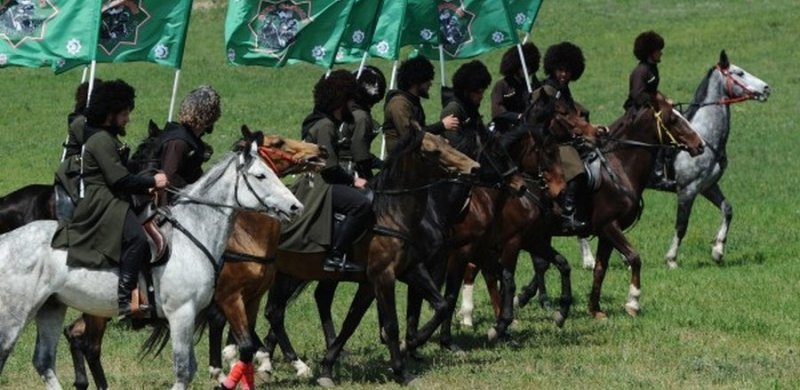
<point x="49" y="320"/>
<point x="467" y="293"/>
<point x="323" y="296"/>
<point x="685" y="202"/>
<point x="536" y="285"/>
<point x="614" y="234"/>
<point x="74" y="333"/>
<point x="586" y="253"/>
<point x="279" y="295"/>
<point x="715" y="195"/>
<point x="85" y="337"/>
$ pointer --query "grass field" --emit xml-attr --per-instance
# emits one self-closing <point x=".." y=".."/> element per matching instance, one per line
<point x="702" y="325"/>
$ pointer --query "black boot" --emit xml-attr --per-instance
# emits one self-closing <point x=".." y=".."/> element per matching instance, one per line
<point x="343" y="238"/>
<point x="660" y="177"/>
<point x="570" y="218"/>
<point x="128" y="277"/>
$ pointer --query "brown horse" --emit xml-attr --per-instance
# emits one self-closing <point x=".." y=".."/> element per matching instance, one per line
<point x="284" y="156"/>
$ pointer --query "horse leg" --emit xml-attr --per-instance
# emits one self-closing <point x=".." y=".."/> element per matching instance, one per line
<point x="685" y="202"/>
<point x="216" y="326"/>
<point x="413" y="313"/>
<point x="419" y="279"/>
<point x="715" y="195"/>
<point x="74" y="333"/>
<point x="586" y="253"/>
<point x="279" y="295"/>
<point x="385" y="293"/>
<point x="49" y="320"/>
<point x="508" y="265"/>
<point x="93" y="342"/>
<point x="537" y="285"/>
<point x="467" y="292"/>
<point x="621" y="244"/>
<point x="565" y="302"/>
<point x="261" y="359"/>
<point x="361" y="301"/>
<point x="455" y="275"/>
<point x="323" y="295"/>
<point x="233" y="305"/>
<point x="604" y="249"/>
<point x="181" y="329"/>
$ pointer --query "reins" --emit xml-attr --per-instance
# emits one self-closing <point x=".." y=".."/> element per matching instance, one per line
<point x="726" y="101"/>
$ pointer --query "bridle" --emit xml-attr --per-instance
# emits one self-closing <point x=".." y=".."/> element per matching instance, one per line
<point x="662" y="131"/>
<point x="730" y="82"/>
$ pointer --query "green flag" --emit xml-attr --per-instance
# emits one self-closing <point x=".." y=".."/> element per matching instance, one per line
<point x="141" y="30"/>
<point x="35" y="33"/>
<point x="274" y="32"/>
<point x="523" y="13"/>
<point x="358" y="33"/>
<point x="469" y="28"/>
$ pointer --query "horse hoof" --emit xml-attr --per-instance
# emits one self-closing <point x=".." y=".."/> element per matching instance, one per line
<point x="717" y="253"/>
<point x="492" y="335"/>
<point x="466" y="322"/>
<point x="303" y="370"/>
<point x="560" y="319"/>
<point x="216" y="374"/>
<point x="516" y="302"/>
<point x="230" y="353"/>
<point x="451" y="347"/>
<point x="265" y="365"/>
<point x="325" y="382"/>
<point x="515" y="324"/>
<point x="589" y="266"/>
<point x="632" y="309"/>
<point x="599" y="315"/>
<point x="415" y="383"/>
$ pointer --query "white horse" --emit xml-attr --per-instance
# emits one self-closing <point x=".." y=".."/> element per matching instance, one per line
<point x="709" y="113"/>
<point x="38" y="284"/>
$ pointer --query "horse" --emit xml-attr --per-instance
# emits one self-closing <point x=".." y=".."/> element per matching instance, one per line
<point x="202" y="217"/>
<point x="401" y="188"/>
<point x="284" y="156"/>
<point x="709" y="113"/>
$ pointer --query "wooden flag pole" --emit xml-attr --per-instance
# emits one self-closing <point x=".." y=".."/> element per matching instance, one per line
<point x="174" y="94"/>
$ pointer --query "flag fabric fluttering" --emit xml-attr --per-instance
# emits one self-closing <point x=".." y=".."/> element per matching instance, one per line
<point x="523" y="13"/>
<point x="37" y="33"/>
<point x="274" y="33"/>
<point x="141" y="31"/>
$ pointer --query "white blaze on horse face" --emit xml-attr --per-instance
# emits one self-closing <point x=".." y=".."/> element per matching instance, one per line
<point x="268" y="188"/>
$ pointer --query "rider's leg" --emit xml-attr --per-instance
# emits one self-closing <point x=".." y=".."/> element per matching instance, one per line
<point x="135" y="252"/>
<point x="358" y="209"/>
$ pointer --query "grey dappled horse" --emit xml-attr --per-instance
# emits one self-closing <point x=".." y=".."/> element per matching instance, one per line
<point x="39" y="285"/>
<point x="709" y="114"/>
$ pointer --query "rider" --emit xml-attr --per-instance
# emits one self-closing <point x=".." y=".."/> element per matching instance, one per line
<point x="332" y="95"/>
<point x="403" y="113"/>
<point x="510" y="96"/>
<point x="355" y="140"/>
<point x="103" y="214"/>
<point x="643" y="92"/>
<point x="182" y="151"/>
<point x="469" y="85"/>
<point x="563" y="63"/>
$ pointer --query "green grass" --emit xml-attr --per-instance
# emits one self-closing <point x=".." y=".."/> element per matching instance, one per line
<point x="702" y="326"/>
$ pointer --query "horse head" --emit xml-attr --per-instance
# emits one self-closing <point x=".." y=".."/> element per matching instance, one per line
<point x="257" y="185"/>
<point x="664" y="125"/>
<point x="737" y="84"/>
<point x="568" y="122"/>
<point x="447" y="157"/>
<point x="288" y="156"/>
<point x="537" y="156"/>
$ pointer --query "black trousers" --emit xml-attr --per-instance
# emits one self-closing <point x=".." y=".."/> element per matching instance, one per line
<point x="135" y="249"/>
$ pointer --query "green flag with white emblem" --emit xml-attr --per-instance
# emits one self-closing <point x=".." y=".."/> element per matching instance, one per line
<point x="36" y="33"/>
<point x="523" y="13"/>
<point x="141" y="30"/>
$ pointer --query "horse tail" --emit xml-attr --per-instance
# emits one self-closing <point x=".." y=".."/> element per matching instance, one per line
<point x="159" y="338"/>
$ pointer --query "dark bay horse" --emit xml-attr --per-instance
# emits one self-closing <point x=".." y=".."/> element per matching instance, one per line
<point x="709" y="113"/>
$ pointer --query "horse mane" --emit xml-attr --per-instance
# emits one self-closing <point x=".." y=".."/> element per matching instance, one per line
<point x="699" y="96"/>
<point x="392" y="170"/>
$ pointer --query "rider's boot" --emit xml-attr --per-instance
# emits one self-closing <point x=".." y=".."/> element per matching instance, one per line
<point x="570" y="217"/>
<point x="128" y="276"/>
<point x="660" y="179"/>
<point x="350" y="229"/>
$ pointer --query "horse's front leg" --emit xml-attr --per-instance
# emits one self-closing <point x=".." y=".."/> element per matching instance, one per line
<point x="49" y="320"/>
<point x="604" y="249"/>
<point x="508" y="266"/>
<point x="467" y="295"/>
<point x="92" y="344"/>
<point x="715" y="195"/>
<point x="586" y="253"/>
<point x="621" y="244"/>
<point x="361" y="301"/>
<point x="181" y="328"/>
<point x="279" y="296"/>
<point x="686" y="198"/>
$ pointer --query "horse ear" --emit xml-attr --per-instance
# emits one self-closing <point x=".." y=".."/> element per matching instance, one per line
<point x="152" y="129"/>
<point x="723" y="60"/>
<point x="246" y="133"/>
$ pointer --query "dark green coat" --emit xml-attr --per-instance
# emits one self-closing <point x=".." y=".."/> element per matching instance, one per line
<point x="94" y="236"/>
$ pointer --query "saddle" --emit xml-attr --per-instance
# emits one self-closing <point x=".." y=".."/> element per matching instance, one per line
<point x="159" y="235"/>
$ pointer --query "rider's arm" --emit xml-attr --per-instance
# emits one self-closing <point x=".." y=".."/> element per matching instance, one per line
<point x="499" y="110"/>
<point x="106" y="154"/>
<point x="324" y="131"/>
<point x="639" y="80"/>
<point x="173" y="156"/>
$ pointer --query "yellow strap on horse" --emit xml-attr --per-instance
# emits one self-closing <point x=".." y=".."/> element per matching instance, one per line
<point x="663" y="129"/>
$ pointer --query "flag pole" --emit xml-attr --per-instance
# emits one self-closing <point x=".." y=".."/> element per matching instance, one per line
<point x="441" y="65"/>
<point x="362" y="64"/>
<point x="391" y="86"/>
<point x="85" y="72"/>
<point x="174" y="93"/>
<point x="92" y="68"/>
<point x="524" y="67"/>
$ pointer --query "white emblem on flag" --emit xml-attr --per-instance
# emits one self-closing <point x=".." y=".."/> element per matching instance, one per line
<point x="520" y="18"/>
<point x="382" y="47"/>
<point x="161" y="51"/>
<point x="498" y="36"/>
<point x="231" y="55"/>
<point x="74" y="46"/>
<point x="3" y="59"/>
<point x="358" y="36"/>
<point x="426" y="34"/>
<point x="318" y="52"/>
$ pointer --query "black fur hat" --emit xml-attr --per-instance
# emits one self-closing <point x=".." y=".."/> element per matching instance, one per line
<point x="471" y="77"/>
<point x="565" y="54"/>
<point x="510" y="64"/>
<point x="646" y="43"/>
<point x="414" y="71"/>
<point x="371" y="86"/>
<point x="334" y="91"/>
<point x="109" y="97"/>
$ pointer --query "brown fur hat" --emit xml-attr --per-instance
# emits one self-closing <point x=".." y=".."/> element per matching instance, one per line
<point x="200" y="109"/>
<point x="646" y="43"/>
<point x="565" y="54"/>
